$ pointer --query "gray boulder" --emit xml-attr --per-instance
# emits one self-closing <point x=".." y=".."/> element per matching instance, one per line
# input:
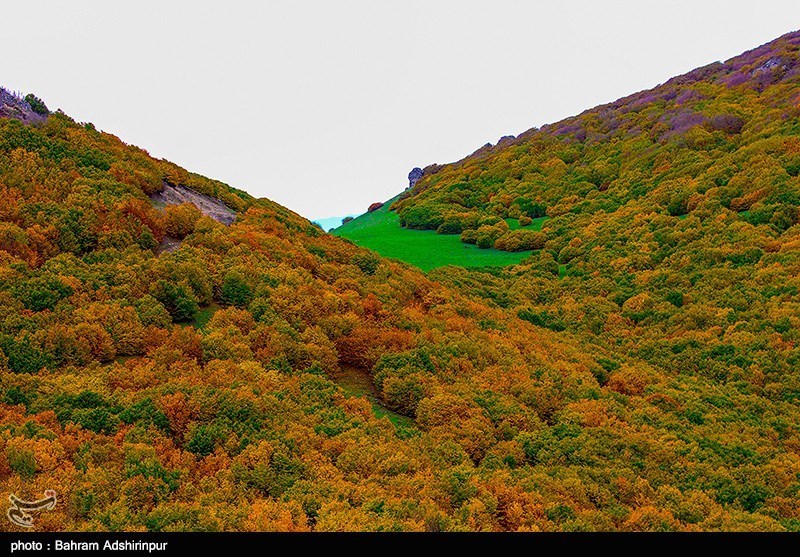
<point x="414" y="176"/>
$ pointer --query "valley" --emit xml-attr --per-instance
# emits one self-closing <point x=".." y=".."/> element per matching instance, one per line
<point x="591" y="326"/>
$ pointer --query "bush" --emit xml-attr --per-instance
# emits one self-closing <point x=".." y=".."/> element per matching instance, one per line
<point x="145" y="411"/>
<point x="235" y="290"/>
<point x="457" y="223"/>
<point x="421" y="217"/>
<point x="42" y="293"/>
<point x="23" y="356"/>
<point x="451" y="225"/>
<point x="21" y="461"/>
<point x="728" y="123"/>
<point x="525" y="220"/>
<point x="181" y="219"/>
<point x="678" y="205"/>
<point x="367" y="262"/>
<point x="469" y="236"/>
<point x="403" y="394"/>
<point x="204" y="438"/>
<point x="485" y="241"/>
<point x="531" y="208"/>
<point x="542" y="319"/>
<point x="521" y="240"/>
<point x="146" y="240"/>
<point x="151" y="312"/>
<point x="37" y="104"/>
<point x="675" y="298"/>
<point x="487" y="234"/>
<point x="178" y="299"/>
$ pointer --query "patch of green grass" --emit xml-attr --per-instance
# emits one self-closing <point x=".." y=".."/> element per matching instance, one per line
<point x="404" y="425"/>
<point x="562" y="271"/>
<point x="358" y="383"/>
<point x="381" y="231"/>
<point x="204" y="316"/>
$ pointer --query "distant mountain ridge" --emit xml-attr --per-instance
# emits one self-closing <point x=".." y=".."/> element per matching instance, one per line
<point x="329" y="223"/>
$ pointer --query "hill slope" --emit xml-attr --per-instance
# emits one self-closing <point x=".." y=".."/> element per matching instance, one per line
<point x="673" y="222"/>
<point x="197" y="389"/>
<point x="724" y="135"/>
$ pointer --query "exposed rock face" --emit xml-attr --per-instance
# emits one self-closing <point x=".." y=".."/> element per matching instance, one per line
<point x="209" y="206"/>
<point x="374" y="207"/>
<point x="14" y="106"/>
<point x="505" y="139"/>
<point x="414" y="176"/>
<point x="177" y="195"/>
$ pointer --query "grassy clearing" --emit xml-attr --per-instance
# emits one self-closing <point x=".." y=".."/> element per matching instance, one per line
<point x="204" y="316"/>
<point x="358" y="383"/>
<point x="381" y="231"/>
<point x="535" y="225"/>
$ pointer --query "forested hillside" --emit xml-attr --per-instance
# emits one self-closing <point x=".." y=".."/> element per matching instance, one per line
<point x="637" y="372"/>
<point x="671" y="218"/>
<point x="722" y="137"/>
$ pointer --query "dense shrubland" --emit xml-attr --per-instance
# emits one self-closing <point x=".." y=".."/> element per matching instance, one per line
<point x="637" y="372"/>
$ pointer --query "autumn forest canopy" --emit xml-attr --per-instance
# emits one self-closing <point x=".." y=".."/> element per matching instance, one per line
<point x="624" y="357"/>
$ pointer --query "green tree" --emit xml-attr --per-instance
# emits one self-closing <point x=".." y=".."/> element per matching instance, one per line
<point x="235" y="290"/>
<point x="367" y="262"/>
<point x="178" y="299"/>
<point x="42" y="293"/>
<point x="37" y="104"/>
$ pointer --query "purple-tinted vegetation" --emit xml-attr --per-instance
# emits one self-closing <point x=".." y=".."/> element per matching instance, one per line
<point x="567" y="127"/>
<point x="699" y="74"/>
<point x="688" y="95"/>
<point x="728" y="123"/>
<point x="736" y="79"/>
<point x="680" y="121"/>
<point x="749" y="57"/>
<point x="756" y="70"/>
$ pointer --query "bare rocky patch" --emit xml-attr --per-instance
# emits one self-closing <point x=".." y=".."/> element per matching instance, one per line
<point x="12" y="105"/>
<point x="172" y="194"/>
<point x="209" y="206"/>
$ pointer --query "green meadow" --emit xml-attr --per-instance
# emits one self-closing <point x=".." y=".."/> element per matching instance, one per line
<point x="381" y="231"/>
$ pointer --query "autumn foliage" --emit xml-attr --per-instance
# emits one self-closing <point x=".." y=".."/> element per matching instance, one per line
<point x="637" y="372"/>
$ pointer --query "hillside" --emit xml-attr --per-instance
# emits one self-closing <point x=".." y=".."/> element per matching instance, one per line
<point x="264" y="375"/>
<point x="672" y="223"/>
<point x="720" y="137"/>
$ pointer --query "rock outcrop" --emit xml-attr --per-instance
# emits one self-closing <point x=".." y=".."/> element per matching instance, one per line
<point x="414" y="176"/>
<point x="177" y="195"/>
<point x="14" y="106"/>
<point x="209" y="206"/>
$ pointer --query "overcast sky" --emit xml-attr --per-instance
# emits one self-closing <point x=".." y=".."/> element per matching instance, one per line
<point x="326" y="106"/>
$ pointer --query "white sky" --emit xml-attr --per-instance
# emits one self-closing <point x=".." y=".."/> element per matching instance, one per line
<point x="326" y="106"/>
